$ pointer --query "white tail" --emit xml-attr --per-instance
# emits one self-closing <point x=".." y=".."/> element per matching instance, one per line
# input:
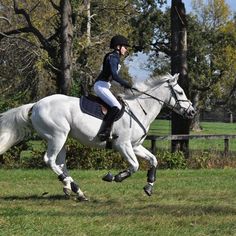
<point x="14" y="126"/>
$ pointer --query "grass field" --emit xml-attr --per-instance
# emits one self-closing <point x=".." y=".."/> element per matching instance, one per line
<point x="163" y="127"/>
<point x="185" y="202"/>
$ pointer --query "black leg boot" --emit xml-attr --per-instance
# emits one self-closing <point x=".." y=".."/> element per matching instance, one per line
<point x="104" y="134"/>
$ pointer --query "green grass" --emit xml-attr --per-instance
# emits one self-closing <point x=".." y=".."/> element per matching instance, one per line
<point x="185" y="202"/>
<point x="163" y="128"/>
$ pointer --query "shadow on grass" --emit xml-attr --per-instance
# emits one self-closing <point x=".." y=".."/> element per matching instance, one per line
<point x="146" y="209"/>
<point x="34" y="197"/>
<point x="189" y="210"/>
<point x="117" y="207"/>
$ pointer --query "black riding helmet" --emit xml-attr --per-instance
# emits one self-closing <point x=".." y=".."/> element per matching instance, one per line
<point x="119" y="40"/>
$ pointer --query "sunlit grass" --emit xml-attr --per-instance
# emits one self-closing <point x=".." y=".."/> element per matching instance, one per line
<point x="185" y="202"/>
<point x="163" y="127"/>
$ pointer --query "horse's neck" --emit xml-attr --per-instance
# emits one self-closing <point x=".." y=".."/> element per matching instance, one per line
<point x="146" y="108"/>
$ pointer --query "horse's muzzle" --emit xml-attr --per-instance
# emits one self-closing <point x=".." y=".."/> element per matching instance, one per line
<point x="190" y="113"/>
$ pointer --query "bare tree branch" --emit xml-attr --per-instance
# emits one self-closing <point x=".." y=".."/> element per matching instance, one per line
<point x="47" y="61"/>
<point x="16" y="31"/>
<point x="162" y="47"/>
<point x="36" y="5"/>
<point x="46" y="45"/>
<point x="55" y="5"/>
<point x="6" y="19"/>
<point x="12" y="35"/>
<point x="54" y="36"/>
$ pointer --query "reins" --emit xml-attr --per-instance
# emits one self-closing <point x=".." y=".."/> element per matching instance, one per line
<point x="159" y="100"/>
<point x="155" y="98"/>
<point x="138" y="101"/>
<point x="149" y="95"/>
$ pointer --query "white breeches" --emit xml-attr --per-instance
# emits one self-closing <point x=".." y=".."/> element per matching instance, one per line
<point x="102" y="90"/>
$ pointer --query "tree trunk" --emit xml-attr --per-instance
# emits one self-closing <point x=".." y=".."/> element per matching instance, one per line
<point x="66" y="46"/>
<point x="195" y="124"/>
<point x="179" y="65"/>
<point x="87" y="4"/>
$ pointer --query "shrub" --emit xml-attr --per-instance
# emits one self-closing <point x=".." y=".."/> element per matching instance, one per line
<point x="171" y="160"/>
<point x="209" y="159"/>
<point x="79" y="156"/>
<point x="29" y="154"/>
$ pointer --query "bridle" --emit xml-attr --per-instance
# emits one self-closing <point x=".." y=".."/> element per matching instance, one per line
<point x="177" y="104"/>
<point x="177" y="101"/>
<point x="173" y="93"/>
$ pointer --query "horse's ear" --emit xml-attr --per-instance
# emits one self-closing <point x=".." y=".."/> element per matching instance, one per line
<point x="176" y="76"/>
<point x="173" y="78"/>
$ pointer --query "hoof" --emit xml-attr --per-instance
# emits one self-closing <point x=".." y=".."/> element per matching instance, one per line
<point x="108" y="177"/>
<point x="67" y="191"/>
<point x="148" y="189"/>
<point x="82" y="198"/>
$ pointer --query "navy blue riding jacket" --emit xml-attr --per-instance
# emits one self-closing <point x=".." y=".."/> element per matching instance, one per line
<point x="110" y="68"/>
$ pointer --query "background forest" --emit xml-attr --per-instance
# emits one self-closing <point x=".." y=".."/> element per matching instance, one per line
<point x="33" y="50"/>
<point x="57" y="46"/>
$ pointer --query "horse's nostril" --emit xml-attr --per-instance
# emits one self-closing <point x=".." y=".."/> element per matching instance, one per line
<point x="191" y="114"/>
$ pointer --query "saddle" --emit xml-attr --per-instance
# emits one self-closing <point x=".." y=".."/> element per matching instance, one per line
<point x="94" y="106"/>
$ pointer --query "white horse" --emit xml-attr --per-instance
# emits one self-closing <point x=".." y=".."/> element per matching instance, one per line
<point x="58" y="116"/>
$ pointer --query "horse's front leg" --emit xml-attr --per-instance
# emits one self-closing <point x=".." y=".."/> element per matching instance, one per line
<point x="126" y="150"/>
<point x="151" y="174"/>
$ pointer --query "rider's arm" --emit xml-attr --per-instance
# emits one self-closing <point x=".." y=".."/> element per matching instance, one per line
<point x="114" y="62"/>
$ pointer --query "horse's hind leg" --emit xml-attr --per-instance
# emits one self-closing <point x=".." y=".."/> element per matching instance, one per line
<point x="61" y="162"/>
<point x="56" y="149"/>
<point x="142" y="152"/>
<point x="69" y="183"/>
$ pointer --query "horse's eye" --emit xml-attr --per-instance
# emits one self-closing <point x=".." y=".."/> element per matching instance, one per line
<point x="180" y="92"/>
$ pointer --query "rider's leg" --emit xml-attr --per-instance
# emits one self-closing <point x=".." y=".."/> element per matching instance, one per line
<point x="112" y="113"/>
<point x="151" y="174"/>
<point x="102" y="89"/>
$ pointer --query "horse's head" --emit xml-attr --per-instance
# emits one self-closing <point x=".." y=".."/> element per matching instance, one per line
<point x="178" y="101"/>
<point x="165" y="90"/>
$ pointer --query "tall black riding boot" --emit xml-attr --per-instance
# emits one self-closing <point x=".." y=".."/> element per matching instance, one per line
<point x="112" y="113"/>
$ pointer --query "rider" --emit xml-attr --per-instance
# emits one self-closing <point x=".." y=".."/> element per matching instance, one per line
<point x="110" y="69"/>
